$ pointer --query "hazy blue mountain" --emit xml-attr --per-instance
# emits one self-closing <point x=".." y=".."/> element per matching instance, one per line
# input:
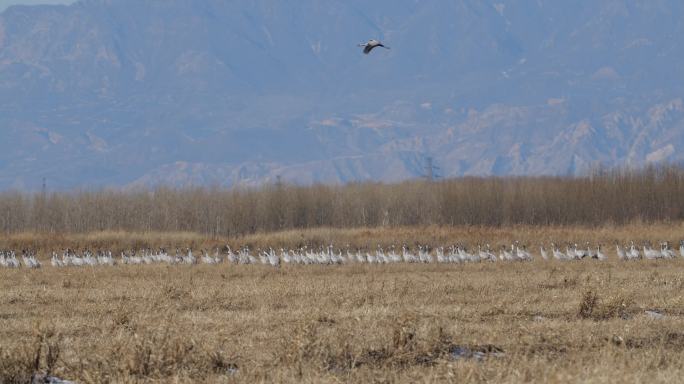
<point x="143" y="92"/>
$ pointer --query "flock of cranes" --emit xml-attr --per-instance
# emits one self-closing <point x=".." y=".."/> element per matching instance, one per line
<point x="623" y="253"/>
<point x="455" y="254"/>
<point x="633" y="252"/>
<point x="8" y="259"/>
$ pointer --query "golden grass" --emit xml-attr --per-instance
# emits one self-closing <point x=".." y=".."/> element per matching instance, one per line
<point x="365" y="238"/>
<point x="534" y="322"/>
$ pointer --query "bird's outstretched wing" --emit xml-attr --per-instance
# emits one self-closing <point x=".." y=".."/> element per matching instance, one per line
<point x="368" y="48"/>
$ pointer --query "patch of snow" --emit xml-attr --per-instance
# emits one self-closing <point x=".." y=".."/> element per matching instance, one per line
<point x="606" y="73"/>
<point x="582" y="129"/>
<point x="643" y="42"/>
<point x="140" y="72"/>
<point x="54" y="138"/>
<point x="316" y="47"/>
<point x="96" y="143"/>
<point x="329" y="122"/>
<point x="660" y="154"/>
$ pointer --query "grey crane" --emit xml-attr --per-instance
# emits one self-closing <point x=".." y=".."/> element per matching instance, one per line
<point x="370" y="45"/>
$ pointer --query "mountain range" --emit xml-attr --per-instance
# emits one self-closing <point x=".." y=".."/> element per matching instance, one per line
<point x="131" y="93"/>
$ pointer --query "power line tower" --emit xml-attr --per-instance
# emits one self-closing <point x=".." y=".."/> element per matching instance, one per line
<point x="431" y="171"/>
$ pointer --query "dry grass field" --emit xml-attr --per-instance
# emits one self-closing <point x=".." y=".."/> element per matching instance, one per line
<point x="582" y="321"/>
<point x="363" y="238"/>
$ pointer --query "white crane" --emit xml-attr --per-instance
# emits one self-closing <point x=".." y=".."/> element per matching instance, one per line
<point x="30" y="260"/>
<point x="56" y="262"/>
<point x="521" y="252"/>
<point x="599" y="254"/>
<point x="370" y="45"/>
<point x="650" y="253"/>
<point x="504" y="255"/>
<point x="188" y="258"/>
<point x="557" y="254"/>
<point x="273" y="259"/>
<point x="633" y="253"/>
<point x="360" y="258"/>
<point x="285" y="256"/>
<point x="231" y="256"/>
<point x="665" y="251"/>
<point x="580" y="253"/>
<point x="543" y="253"/>
<point x="206" y="259"/>
<point x="394" y="257"/>
<point x="590" y="252"/>
<point x="409" y="257"/>
<point x="486" y="254"/>
<point x="12" y="261"/>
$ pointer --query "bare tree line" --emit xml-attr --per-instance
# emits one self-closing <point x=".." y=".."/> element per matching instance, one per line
<point x="605" y="197"/>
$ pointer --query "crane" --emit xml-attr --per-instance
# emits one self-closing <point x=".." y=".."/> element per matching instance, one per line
<point x="370" y="45"/>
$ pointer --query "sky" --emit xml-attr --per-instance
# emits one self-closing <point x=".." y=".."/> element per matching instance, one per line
<point x="6" y="3"/>
<point x="134" y="93"/>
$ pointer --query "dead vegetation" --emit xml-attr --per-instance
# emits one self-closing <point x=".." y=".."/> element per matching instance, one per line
<point x="40" y="357"/>
<point x="617" y="197"/>
<point x="519" y="322"/>
<point x="592" y="307"/>
<point x="488" y="322"/>
<point x="363" y="238"/>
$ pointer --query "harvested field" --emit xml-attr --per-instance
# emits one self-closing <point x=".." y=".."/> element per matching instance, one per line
<point x="356" y="238"/>
<point x="488" y="322"/>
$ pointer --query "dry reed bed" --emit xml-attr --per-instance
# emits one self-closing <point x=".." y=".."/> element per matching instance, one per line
<point x="548" y="322"/>
<point x="619" y="197"/>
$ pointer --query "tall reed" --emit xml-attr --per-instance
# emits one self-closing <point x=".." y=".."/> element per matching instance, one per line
<point x="649" y="195"/>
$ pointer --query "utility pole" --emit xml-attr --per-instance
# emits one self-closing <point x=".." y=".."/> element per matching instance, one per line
<point x="280" y="202"/>
<point x="431" y="170"/>
<point x="41" y="223"/>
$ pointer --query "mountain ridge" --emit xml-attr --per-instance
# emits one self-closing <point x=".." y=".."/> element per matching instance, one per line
<point x="123" y="92"/>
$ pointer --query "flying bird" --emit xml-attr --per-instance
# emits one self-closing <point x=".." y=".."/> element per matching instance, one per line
<point x="370" y="45"/>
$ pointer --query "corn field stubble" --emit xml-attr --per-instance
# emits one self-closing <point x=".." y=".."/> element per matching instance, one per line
<point x="518" y="322"/>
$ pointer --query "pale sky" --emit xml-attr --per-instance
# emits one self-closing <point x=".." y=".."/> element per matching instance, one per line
<point x="6" y="3"/>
